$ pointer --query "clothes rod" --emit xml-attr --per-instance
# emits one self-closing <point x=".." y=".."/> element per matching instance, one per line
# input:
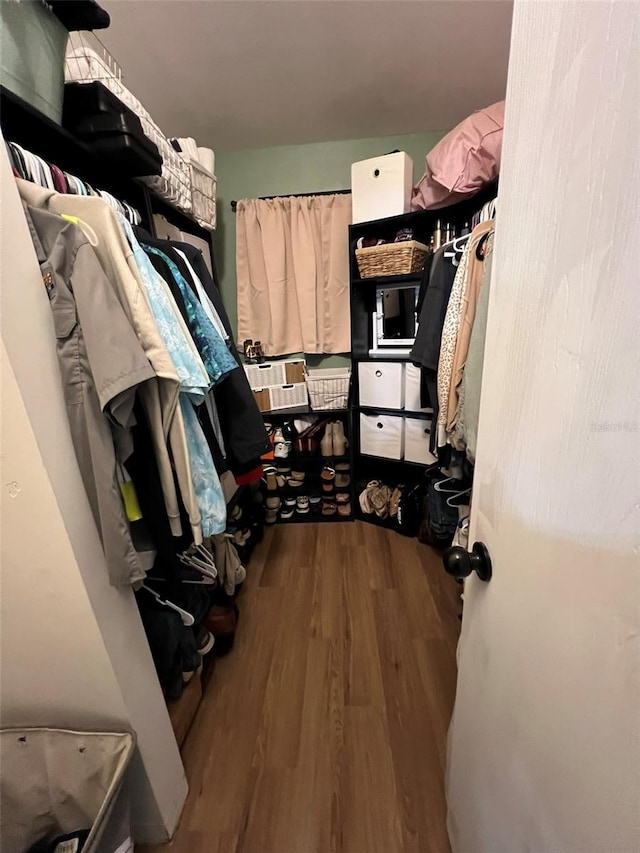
<point x="296" y="195"/>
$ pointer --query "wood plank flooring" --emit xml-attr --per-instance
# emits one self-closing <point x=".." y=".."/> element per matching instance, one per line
<point x="324" y="730"/>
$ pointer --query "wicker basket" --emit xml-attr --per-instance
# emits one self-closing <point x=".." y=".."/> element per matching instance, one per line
<point x="391" y="259"/>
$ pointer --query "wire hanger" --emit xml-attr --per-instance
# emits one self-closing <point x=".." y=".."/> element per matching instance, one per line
<point x="187" y="619"/>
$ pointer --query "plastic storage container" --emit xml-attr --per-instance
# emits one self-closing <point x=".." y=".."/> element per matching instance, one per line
<point x="56" y="781"/>
<point x="94" y="114"/>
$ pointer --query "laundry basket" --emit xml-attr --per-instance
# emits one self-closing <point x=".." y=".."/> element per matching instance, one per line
<point x="56" y="781"/>
<point x="329" y="388"/>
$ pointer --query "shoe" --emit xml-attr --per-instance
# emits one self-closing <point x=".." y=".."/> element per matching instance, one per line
<point x="282" y="449"/>
<point x="365" y="502"/>
<point x="286" y="513"/>
<point x="270" y="477"/>
<point x="204" y="640"/>
<point x="340" y="442"/>
<point x="289" y="431"/>
<point x="273" y="503"/>
<point x="342" y="480"/>
<point x="344" y="509"/>
<point x="380" y="498"/>
<point x="328" y="507"/>
<point x="315" y="504"/>
<point x="290" y="503"/>
<point x="342" y="497"/>
<point x="296" y="479"/>
<point x="220" y="620"/>
<point x="328" y="474"/>
<point x="326" y="444"/>
<point x="271" y="516"/>
<point x="302" y="505"/>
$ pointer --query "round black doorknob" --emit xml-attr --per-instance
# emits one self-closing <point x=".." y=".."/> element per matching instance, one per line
<point x="460" y="562"/>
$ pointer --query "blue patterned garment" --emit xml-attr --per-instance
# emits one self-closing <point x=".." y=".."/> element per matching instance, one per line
<point x="193" y="377"/>
<point x="206" y="483"/>
<point x="194" y="384"/>
<point x="215" y="355"/>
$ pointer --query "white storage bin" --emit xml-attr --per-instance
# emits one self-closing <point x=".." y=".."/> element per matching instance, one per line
<point x="288" y="396"/>
<point x="412" y="384"/>
<point x="329" y="388"/>
<point x="417" y="433"/>
<point x="381" y="435"/>
<point x="381" y="384"/>
<point x="286" y="372"/>
<point x="263" y="375"/>
<point x="381" y="187"/>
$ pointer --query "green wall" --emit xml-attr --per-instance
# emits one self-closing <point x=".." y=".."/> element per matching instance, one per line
<point x="292" y="169"/>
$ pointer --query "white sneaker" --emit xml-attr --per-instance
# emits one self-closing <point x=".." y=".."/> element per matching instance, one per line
<point x="282" y="449"/>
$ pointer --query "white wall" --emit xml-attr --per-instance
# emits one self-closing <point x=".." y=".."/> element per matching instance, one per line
<point x="545" y="741"/>
<point x="81" y="639"/>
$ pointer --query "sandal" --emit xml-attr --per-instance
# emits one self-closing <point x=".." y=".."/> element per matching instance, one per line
<point x="329" y="508"/>
<point x="344" y="509"/>
<point x="342" y="497"/>
<point x="342" y="481"/>
<point x="328" y="474"/>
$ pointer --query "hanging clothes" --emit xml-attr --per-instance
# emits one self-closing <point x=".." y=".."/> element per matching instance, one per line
<point x="102" y="364"/>
<point x="465" y="436"/>
<point x="245" y="437"/>
<point x="452" y="321"/>
<point x="213" y="350"/>
<point x="160" y="399"/>
<point x="473" y="283"/>
<point x="426" y="350"/>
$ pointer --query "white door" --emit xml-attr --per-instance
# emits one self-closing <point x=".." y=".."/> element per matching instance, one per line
<point x="544" y="751"/>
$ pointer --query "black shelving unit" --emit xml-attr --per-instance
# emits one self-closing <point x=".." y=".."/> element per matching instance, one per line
<point x="363" y="307"/>
<point x="312" y="465"/>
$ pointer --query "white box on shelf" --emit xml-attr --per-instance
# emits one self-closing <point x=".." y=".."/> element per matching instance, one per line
<point x="412" y="396"/>
<point x="381" y="187"/>
<point x="381" y="435"/>
<point x="417" y="432"/>
<point x="381" y="384"/>
<point x="285" y="372"/>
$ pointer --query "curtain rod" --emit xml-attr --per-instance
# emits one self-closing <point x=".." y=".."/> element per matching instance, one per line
<point x="297" y="195"/>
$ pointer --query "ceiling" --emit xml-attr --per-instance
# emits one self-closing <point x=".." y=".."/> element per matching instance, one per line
<point x="256" y="73"/>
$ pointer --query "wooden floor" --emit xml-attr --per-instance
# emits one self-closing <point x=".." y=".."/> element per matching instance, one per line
<point x="324" y="730"/>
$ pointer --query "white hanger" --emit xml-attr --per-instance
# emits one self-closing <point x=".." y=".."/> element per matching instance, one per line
<point x="187" y="618"/>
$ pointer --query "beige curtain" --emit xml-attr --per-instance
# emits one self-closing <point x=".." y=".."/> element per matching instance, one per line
<point x="292" y="260"/>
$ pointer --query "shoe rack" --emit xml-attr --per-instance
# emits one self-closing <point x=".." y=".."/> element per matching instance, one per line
<point x="322" y="474"/>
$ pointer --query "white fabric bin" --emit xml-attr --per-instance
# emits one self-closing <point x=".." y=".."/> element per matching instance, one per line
<point x="381" y="435"/>
<point x="56" y="781"/>
<point x="417" y="432"/>
<point x="381" y="186"/>
<point x="412" y="389"/>
<point x="381" y="384"/>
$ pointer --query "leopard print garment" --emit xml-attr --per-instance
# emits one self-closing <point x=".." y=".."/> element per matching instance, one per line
<point x="448" y="344"/>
